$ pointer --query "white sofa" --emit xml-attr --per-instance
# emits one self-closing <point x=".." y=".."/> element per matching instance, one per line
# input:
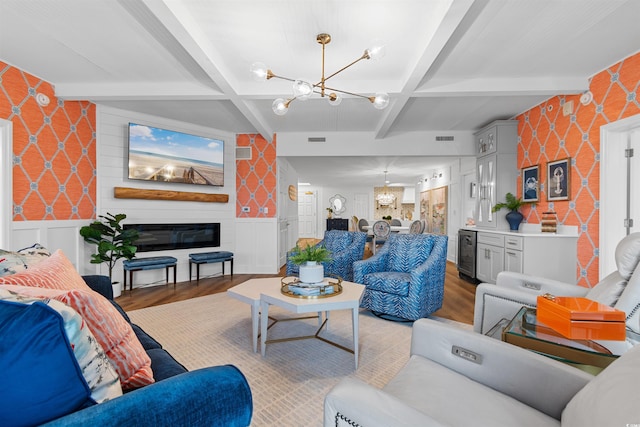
<point x="504" y="386"/>
<point x="620" y="289"/>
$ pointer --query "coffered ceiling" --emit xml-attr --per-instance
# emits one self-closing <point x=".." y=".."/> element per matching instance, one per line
<point x="450" y="65"/>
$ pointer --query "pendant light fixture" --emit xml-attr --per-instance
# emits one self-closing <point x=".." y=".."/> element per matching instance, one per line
<point x="303" y="90"/>
<point x="385" y="198"/>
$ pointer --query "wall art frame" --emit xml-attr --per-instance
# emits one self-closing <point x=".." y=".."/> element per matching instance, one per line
<point x="530" y="183"/>
<point x="558" y="186"/>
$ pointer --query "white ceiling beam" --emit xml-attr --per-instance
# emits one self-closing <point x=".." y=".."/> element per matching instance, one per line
<point x="444" y="34"/>
<point x="177" y="21"/>
<point x="502" y="86"/>
<point x="138" y="91"/>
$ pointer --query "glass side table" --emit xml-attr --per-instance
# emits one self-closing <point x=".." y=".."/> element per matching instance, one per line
<point x="525" y="331"/>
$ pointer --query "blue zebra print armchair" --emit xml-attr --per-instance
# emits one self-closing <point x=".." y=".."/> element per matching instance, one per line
<point x="405" y="279"/>
<point x="346" y="247"/>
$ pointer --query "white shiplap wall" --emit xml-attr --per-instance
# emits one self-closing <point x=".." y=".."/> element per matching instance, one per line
<point x="112" y="146"/>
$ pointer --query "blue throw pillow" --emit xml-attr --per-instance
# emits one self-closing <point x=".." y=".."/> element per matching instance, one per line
<point x="40" y="377"/>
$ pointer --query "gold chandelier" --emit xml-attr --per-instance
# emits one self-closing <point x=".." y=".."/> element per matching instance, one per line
<point x="385" y="198"/>
<point x="303" y="90"/>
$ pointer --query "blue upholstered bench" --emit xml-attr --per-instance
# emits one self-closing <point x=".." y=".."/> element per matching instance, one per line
<point x="150" y="263"/>
<point x="208" y="258"/>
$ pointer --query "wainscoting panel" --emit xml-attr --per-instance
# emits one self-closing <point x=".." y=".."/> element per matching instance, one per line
<point x="53" y="235"/>
<point x="256" y="246"/>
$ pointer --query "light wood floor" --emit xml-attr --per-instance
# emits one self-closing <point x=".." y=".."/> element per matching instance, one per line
<point x="458" y="294"/>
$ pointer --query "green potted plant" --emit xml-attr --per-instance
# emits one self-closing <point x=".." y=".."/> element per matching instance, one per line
<point x="310" y="260"/>
<point x="513" y="217"/>
<point x="329" y="212"/>
<point x="112" y="240"/>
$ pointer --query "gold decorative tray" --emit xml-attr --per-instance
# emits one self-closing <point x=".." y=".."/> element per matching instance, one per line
<point x="293" y="287"/>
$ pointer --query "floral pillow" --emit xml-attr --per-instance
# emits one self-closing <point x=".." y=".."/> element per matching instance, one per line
<point x="15" y="262"/>
<point x="94" y="364"/>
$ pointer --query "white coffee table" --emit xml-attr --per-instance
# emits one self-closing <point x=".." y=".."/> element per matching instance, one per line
<point x="261" y="293"/>
<point x="249" y="292"/>
<point x="349" y="299"/>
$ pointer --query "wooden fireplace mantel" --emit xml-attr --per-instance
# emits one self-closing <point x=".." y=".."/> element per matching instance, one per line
<point x="184" y="196"/>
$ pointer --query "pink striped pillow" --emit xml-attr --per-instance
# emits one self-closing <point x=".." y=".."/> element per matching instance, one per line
<point x="56" y="278"/>
<point x="54" y="272"/>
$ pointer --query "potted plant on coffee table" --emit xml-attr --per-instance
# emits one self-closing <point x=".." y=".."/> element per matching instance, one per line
<point x="112" y="240"/>
<point x="310" y="260"/>
<point x="513" y="217"/>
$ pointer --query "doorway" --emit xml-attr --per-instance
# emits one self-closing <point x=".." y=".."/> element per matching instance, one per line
<point x="619" y="188"/>
<point x="307" y="214"/>
<point x="361" y="207"/>
<point x="6" y="182"/>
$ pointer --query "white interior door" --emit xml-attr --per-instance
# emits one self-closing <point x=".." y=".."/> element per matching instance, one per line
<point x="361" y="206"/>
<point x="619" y="199"/>
<point x="307" y="213"/>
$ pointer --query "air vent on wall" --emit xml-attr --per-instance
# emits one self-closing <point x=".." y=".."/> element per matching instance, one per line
<point x="444" y="138"/>
<point x="317" y="139"/>
<point x="243" y="153"/>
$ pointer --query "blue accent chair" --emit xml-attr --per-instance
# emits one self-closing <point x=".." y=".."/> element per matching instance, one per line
<point x="346" y="247"/>
<point x="405" y="279"/>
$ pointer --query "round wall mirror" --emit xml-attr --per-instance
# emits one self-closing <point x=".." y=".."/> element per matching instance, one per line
<point x="337" y="203"/>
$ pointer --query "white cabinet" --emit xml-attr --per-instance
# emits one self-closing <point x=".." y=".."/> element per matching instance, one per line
<point x="513" y="259"/>
<point x="486" y="175"/>
<point x="490" y="256"/>
<point x="496" y="170"/>
<point x="548" y="255"/>
<point x="486" y="141"/>
<point x="491" y="264"/>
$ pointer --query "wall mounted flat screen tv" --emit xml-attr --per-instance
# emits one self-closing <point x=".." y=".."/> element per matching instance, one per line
<point x="169" y="156"/>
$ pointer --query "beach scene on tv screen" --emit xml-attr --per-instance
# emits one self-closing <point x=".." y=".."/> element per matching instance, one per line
<point x="164" y="155"/>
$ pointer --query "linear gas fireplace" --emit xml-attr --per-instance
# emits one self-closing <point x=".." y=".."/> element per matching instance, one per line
<point x="162" y="237"/>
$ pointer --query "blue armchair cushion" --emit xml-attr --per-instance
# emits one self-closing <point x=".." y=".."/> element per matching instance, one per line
<point x="337" y="241"/>
<point x="405" y="278"/>
<point x="40" y="377"/>
<point x="389" y="281"/>
<point x="398" y="255"/>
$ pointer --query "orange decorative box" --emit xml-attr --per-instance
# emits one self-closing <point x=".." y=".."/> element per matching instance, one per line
<point x="581" y="318"/>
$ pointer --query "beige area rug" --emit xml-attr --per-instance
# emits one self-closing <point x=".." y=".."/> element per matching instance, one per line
<point x="288" y="384"/>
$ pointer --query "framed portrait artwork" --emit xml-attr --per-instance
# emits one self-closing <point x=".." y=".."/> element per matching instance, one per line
<point x="530" y="183"/>
<point x="559" y="180"/>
